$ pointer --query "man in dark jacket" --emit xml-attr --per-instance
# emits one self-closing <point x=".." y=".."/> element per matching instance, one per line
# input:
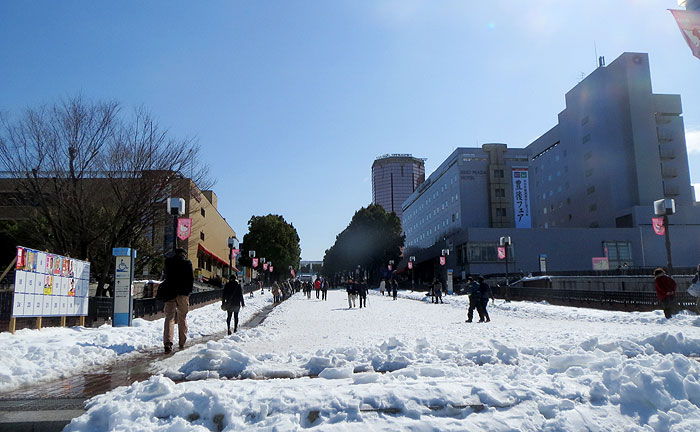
<point x="232" y="302"/>
<point x="175" y="291"/>
<point x="665" y="291"/>
<point x="485" y="291"/>
<point x="362" y="292"/>
<point x="474" y="300"/>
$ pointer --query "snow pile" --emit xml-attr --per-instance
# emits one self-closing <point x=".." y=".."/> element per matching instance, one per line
<point x="32" y="356"/>
<point x="412" y="365"/>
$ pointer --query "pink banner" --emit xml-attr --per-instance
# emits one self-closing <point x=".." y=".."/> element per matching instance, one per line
<point x="658" y="223"/>
<point x="410" y="265"/>
<point x="389" y="266"/>
<point x="442" y="260"/>
<point x="184" y="228"/>
<point x="271" y="269"/>
<point x="501" y="252"/>
<point x="689" y="23"/>
<point x="265" y="266"/>
<point x="292" y="272"/>
<point x="255" y="262"/>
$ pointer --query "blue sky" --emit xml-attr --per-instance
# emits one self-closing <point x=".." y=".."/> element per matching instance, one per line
<point x="291" y="101"/>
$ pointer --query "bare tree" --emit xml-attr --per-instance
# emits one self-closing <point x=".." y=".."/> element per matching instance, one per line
<point x="97" y="179"/>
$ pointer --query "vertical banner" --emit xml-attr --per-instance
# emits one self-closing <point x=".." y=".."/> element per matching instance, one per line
<point x="410" y="265"/>
<point x="501" y="252"/>
<point x="689" y="24"/>
<point x="264" y="266"/>
<point x="521" y="198"/>
<point x="442" y="260"/>
<point x="292" y="272"/>
<point x="658" y="223"/>
<point x="272" y="269"/>
<point x="255" y="262"/>
<point x="184" y="228"/>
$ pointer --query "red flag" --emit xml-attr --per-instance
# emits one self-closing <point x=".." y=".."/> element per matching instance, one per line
<point x="20" y="258"/>
<point x="658" y="223"/>
<point x="410" y="265"/>
<point x="501" y="252"/>
<point x="255" y="262"/>
<point x="292" y="272"/>
<point x="689" y="23"/>
<point x="442" y="260"/>
<point x="184" y="228"/>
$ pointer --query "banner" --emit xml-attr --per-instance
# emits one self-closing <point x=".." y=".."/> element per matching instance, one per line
<point x="410" y="265"/>
<point x="501" y="252"/>
<point x="521" y="198"/>
<point x="255" y="262"/>
<point x="442" y="260"/>
<point x="265" y="266"/>
<point x="293" y="273"/>
<point x="689" y="24"/>
<point x="600" y="263"/>
<point x="389" y="267"/>
<point x="658" y="223"/>
<point x="272" y="269"/>
<point x="184" y="228"/>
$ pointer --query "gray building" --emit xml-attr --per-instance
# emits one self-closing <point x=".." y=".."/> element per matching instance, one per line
<point x="394" y="178"/>
<point x="581" y="192"/>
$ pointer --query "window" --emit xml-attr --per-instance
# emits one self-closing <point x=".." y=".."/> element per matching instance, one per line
<point x="593" y="207"/>
<point x="484" y="252"/>
<point x="202" y="212"/>
<point x="586" y="138"/>
<point x="619" y="252"/>
<point x="498" y="173"/>
<point x="589" y="172"/>
<point x="590" y="190"/>
<point x="584" y="120"/>
<point x="500" y="193"/>
<point x="201" y="235"/>
<point x="588" y="155"/>
<point x="500" y="212"/>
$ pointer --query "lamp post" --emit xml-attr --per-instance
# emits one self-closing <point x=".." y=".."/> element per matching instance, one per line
<point x="505" y="242"/>
<point x="665" y="207"/>
<point x="232" y="244"/>
<point x="411" y="263"/>
<point x="176" y="207"/>
<point x="262" y="266"/>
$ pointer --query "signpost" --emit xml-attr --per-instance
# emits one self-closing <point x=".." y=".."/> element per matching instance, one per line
<point x="449" y="282"/>
<point x="124" y="259"/>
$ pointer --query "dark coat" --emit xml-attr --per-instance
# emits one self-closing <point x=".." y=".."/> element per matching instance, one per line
<point x="178" y="278"/>
<point x="665" y="286"/>
<point x="474" y="291"/>
<point x="233" y="294"/>
<point x="485" y="290"/>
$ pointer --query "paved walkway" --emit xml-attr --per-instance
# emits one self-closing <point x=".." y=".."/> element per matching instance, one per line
<point x="50" y="406"/>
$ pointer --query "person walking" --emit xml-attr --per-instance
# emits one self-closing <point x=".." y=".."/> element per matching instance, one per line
<point x="324" y="289"/>
<point x="395" y="288"/>
<point x="178" y="280"/>
<point x="362" y="292"/>
<point x="382" y="285"/>
<point x="232" y="302"/>
<point x="352" y="293"/>
<point x="485" y="291"/>
<point x="696" y="279"/>
<point x="665" y="291"/>
<point x="474" y="300"/>
<point x="317" y="287"/>
<point x="437" y="290"/>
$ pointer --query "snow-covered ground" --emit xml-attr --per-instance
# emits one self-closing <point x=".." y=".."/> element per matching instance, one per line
<point x="32" y="356"/>
<point x="412" y="365"/>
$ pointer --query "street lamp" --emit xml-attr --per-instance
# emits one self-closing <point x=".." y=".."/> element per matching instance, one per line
<point x="176" y="207"/>
<point x="665" y="207"/>
<point x="232" y="244"/>
<point x="505" y="242"/>
<point x="391" y="264"/>
<point x="411" y="261"/>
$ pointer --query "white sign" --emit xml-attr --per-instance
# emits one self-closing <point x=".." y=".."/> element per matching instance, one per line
<point x="50" y="285"/>
<point x="521" y="198"/>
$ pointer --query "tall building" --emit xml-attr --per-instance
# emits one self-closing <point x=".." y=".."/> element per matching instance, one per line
<point x="394" y="178"/>
<point x="580" y="194"/>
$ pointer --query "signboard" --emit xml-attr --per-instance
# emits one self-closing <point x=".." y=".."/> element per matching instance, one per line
<point x="255" y="262"/>
<point x="501" y="252"/>
<point x="184" y="228"/>
<point x="689" y="23"/>
<point x="600" y="263"/>
<point x="659" y="227"/>
<point x="442" y="260"/>
<point x="521" y="198"/>
<point x="50" y="285"/>
<point x="450" y="285"/>
<point x="123" y="283"/>
<point x="543" y="263"/>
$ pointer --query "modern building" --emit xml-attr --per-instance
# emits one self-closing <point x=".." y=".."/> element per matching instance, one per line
<point x="394" y="178"/>
<point x="580" y="194"/>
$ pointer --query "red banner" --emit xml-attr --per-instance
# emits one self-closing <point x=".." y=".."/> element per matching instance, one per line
<point x="265" y="266"/>
<point x="20" y="258"/>
<point x="658" y="223"/>
<point x="292" y="272"/>
<point x="689" y="23"/>
<point x="271" y="269"/>
<point x="442" y="260"/>
<point x="501" y="252"/>
<point x="255" y="262"/>
<point x="410" y="265"/>
<point x="389" y="267"/>
<point x="184" y="228"/>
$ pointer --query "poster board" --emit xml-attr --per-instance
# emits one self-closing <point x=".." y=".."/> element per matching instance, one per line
<point x="48" y="285"/>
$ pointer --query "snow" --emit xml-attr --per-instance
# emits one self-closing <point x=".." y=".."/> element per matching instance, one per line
<point x="396" y="365"/>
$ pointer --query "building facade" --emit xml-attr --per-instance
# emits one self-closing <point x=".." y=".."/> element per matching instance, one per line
<point x="394" y="178"/>
<point x="581" y="193"/>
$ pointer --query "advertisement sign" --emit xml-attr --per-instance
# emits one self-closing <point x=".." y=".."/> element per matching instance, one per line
<point x="184" y="228"/>
<point x="50" y="285"/>
<point x="543" y="263"/>
<point x="123" y="283"/>
<point x="658" y="223"/>
<point x="521" y="198"/>
<point x="501" y="252"/>
<point x="689" y="24"/>
<point x="255" y="262"/>
<point x="442" y="260"/>
<point x="601" y="263"/>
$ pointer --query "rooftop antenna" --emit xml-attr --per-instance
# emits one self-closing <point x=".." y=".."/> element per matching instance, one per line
<point x="595" y="49"/>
